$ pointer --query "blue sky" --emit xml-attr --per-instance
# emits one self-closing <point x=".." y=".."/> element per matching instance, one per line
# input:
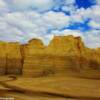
<point x="22" y="20"/>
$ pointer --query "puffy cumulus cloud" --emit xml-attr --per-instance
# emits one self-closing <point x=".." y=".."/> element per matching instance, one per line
<point x="21" y="20"/>
<point x="37" y="5"/>
<point x="76" y="18"/>
<point x="40" y="5"/>
<point x="95" y="13"/>
<point x="69" y="2"/>
<point x="27" y="25"/>
<point x="94" y="24"/>
<point x="2" y="4"/>
<point x="89" y="13"/>
<point x="92" y="38"/>
<point x="69" y="6"/>
<point x="68" y="32"/>
<point x="3" y="7"/>
<point x="57" y="20"/>
<point x="82" y="14"/>
<point x="98" y="2"/>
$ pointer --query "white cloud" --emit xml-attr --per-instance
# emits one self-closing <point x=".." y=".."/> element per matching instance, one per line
<point x="2" y="4"/>
<point x="77" y="18"/>
<point x="94" y="24"/>
<point x="21" y="20"/>
<point x="67" y="32"/>
<point x="98" y="2"/>
<point x="27" y="25"/>
<point x="92" y="38"/>
<point x="56" y="20"/>
<point x="68" y="8"/>
<point x="92" y="13"/>
<point x="40" y="5"/>
<point x="3" y="7"/>
<point x="95" y="13"/>
<point x="71" y="2"/>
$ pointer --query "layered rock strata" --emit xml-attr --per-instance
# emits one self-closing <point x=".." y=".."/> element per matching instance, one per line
<point x="13" y="59"/>
<point x="10" y="58"/>
<point x="62" y="54"/>
<point x="2" y="58"/>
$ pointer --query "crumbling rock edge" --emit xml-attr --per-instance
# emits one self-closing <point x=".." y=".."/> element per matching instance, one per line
<point x="62" y="54"/>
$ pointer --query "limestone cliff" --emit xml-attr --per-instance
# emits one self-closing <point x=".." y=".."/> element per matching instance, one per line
<point x="62" y="54"/>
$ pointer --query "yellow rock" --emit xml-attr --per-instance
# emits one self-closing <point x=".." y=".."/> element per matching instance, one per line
<point x="10" y="58"/>
<point x="2" y="58"/>
<point x="62" y="54"/>
<point x="33" y="55"/>
<point x="14" y="58"/>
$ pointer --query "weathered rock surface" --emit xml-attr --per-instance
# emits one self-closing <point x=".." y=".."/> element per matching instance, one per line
<point x="62" y="54"/>
<point x="2" y="58"/>
<point x="10" y="58"/>
<point x="32" y="58"/>
<point x="13" y="59"/>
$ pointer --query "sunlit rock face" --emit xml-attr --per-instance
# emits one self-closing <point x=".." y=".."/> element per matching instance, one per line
<point x="33" y="53"/>
<point x="65" y="50"/>
<point x="10" y="58"/>
<point x="2" y="58"/>
<point x="13" y="58"/>
<point x="62" y="54"/>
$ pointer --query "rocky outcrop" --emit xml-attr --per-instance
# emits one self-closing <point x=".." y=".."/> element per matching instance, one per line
<point x="2" y="58"/>
<point x="62" y="54"/>
<point x="13" y="58"/>
<point x="10" y="58"/>
<point x="33" y="53"/>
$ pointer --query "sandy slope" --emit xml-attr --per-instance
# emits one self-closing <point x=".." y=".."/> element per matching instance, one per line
<point x="54" y="88"/>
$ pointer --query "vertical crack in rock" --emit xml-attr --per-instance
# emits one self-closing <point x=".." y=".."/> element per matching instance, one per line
<point x="10" y="58"/>
<point x="34" y="59"/>
<point x="14" y="58"/>
<point x="2" y="58"/>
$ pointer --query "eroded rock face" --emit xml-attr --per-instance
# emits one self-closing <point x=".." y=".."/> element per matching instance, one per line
<point x="2" y="58"/>
<point x="62" y="54"/>
<point x="33" y="55"/>
<point x="10" y="58"/>
<point x="13" y="58"/>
